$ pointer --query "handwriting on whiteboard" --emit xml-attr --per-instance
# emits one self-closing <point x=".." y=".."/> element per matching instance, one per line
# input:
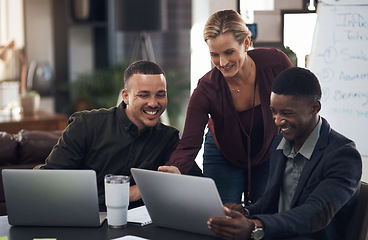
<point x="339" y="58"/>
<point x="354" y="27"/>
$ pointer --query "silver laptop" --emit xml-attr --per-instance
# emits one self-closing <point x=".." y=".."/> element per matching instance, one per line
<point x="180" y="202"/>
<point x="52" y="198"/>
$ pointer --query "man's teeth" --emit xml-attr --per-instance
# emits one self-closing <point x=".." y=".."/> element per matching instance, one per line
<point x="284" y="129"/>
<point x="151" y="112"/>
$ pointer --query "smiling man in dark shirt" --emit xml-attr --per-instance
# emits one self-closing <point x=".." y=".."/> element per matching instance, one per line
<point x="112" y="141"/>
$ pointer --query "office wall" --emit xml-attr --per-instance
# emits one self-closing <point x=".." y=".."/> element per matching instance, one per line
<point x="12" y="22"/>
<point x="38" y="31"/>
<point x="39" y="38"/>
<point x="270" y="22"/>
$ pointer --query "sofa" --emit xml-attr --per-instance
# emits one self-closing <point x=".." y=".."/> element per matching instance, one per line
<point x="24" y="150"/>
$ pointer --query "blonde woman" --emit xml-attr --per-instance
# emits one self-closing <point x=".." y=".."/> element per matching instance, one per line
<point x="235" y="94"/>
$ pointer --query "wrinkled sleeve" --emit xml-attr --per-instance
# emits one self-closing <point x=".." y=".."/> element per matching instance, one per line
<point x="191" y="142"/>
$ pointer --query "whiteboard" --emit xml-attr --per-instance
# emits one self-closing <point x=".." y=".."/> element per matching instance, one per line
<point x="339" y="58"/>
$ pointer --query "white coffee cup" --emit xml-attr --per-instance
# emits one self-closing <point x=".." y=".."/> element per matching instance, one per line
<point x="117" y="199"/>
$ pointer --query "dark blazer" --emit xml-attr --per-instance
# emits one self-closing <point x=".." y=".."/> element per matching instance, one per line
<point x="325" y="195"/>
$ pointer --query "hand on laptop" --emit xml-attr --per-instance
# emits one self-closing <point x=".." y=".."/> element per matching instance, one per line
<point x="134" y="194"/>
<point x="235" y="226"/>
<point x="237" y="207"/>
<point x="169" y="169"/>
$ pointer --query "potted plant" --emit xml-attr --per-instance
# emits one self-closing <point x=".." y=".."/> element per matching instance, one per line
<point x="30" y="102"/>
<point x="98" y="89"/>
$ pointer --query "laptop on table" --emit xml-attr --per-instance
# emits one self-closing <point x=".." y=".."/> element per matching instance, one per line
<point x="61" y="198"/>
<point x="180" y="202"/>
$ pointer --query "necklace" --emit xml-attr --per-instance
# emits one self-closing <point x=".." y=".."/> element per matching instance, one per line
<point x="250" y="72"/>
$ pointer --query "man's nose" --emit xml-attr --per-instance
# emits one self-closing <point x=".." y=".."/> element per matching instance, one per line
<point x="279" y="120"/>
<point x="153" y="102"/>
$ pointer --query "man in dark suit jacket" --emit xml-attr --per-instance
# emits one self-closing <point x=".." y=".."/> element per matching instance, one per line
<point x="314" y="172"/>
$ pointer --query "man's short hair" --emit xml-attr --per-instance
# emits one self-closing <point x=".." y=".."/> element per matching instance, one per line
<point x="142" y="67"/>
<point x="298" y="82"/>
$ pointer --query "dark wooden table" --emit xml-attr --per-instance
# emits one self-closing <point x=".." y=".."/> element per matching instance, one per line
<point x="99" y="233"/>
<point x="39" y="121"/>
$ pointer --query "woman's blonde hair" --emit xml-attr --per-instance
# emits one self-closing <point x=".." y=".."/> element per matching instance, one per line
<point x="226" y="21"/>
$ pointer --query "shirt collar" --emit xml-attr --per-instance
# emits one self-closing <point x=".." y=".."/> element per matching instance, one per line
<point x="308" y="147"/>
<point x="126" y="123"/>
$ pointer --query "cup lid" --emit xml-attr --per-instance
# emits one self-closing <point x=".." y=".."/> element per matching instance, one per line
<point x="110" y="178"/>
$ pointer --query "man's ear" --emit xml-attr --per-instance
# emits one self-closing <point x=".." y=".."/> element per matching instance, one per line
<point x="124" y="94"/>
<point x="316" y="107"/>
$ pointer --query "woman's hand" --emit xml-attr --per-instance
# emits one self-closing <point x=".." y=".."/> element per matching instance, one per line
<point x="169" y="169"/>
